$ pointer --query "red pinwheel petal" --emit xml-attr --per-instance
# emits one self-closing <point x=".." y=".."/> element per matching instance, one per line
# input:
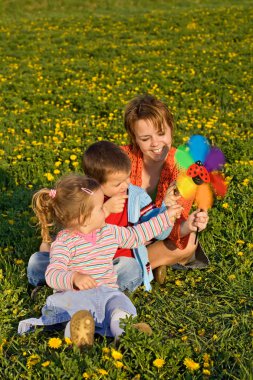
<point x="218" y="184"/>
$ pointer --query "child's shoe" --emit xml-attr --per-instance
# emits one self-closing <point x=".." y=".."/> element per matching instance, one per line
<point x="82" y="328"/>
<point x="160" y="274"/>
<point x="143" y="327"/>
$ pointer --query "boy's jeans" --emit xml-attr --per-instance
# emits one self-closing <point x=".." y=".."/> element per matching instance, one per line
<point x="128" y="270"/>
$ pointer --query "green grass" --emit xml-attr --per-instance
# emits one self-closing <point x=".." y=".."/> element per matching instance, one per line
<point x="67" y="70"/>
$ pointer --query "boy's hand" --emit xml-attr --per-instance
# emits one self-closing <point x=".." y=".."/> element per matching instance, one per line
<point x="174" y="212"/>
<point x="172" y="195"/>
<point x="115" y="204"/>
<point x="83" y="281"/>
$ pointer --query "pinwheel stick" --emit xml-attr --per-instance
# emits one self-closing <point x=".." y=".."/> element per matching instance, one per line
<point x="197" y="232"/>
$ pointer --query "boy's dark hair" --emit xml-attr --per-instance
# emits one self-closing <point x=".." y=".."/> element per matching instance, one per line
<point x="104" y="158"/>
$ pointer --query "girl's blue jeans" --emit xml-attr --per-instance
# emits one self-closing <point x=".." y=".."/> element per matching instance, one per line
<point x="128" y="270"/>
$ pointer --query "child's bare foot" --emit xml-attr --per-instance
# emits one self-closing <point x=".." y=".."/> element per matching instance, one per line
<point x="82" y="328"/>
<point x="44" y="247"/>
<point x="143" y="327"/>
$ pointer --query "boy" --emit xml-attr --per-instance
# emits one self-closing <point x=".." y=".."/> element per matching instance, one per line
<point x="125" y="204"/>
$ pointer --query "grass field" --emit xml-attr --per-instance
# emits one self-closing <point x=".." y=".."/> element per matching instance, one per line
<point x="67" y="70"/>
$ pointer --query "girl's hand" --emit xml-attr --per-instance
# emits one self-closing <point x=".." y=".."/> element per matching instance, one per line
<point x="115" y="204"/>
<point x="196" y="220"/>
<point x="83" y="281"/>
<point x="174" y="212"/>
<point x="172" y="195"/>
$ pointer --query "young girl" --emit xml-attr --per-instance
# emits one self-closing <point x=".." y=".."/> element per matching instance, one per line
<point x="81" y="269"/>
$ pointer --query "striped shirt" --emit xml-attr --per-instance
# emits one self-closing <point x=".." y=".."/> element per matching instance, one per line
<point x="70" y="252"/>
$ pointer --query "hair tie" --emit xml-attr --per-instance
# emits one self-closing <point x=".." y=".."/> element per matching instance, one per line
<point x="52" y="193"/>
<point x="88" y="191"/>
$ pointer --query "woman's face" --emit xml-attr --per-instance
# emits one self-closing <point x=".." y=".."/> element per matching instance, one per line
<point x="154" y="145"/>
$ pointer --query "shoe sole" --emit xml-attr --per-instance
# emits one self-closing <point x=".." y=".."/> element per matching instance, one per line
<point x="82" y="328"/>
<point x="143" y="327"/>
<point x="160" y="274"/>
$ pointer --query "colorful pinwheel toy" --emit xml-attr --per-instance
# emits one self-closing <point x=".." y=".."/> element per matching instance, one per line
<point x="199" y="178"/>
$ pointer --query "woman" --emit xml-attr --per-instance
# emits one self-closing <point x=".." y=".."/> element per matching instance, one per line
<point x="150" y="127"/>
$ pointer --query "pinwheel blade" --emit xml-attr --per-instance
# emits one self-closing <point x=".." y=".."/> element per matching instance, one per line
<point x="204" y="197"/>
<point x="182" y="157"/>
<point x="214" y="160"/>
<point x="218" y="184"/>
<point x="186" y="187"/>
<point x="199" y="148"/>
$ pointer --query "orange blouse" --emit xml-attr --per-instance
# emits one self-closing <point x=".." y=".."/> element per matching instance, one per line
<point x="169" y="174"/>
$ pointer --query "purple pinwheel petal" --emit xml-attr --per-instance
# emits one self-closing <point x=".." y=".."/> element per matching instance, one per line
<point x="214" y="160"/>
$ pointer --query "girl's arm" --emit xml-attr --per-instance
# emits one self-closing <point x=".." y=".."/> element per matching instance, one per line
<point x="58" y="276"/>
<point x="132" y="237"/>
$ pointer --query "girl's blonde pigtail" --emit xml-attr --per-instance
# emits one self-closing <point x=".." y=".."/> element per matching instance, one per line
<point x="43" y="208"/>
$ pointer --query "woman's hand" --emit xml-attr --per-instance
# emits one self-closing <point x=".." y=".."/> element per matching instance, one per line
<point x="83" y="281"/>
<point x="196" y="220"/>
<point x="172" y="195"/>
<point x="115" y="204"/>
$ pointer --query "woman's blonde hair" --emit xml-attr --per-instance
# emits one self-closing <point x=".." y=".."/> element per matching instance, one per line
<point x="70" y="200"/>
<point x="147" y="107"/>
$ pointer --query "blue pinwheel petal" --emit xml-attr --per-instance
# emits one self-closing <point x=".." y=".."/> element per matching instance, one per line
<point x="199" y="148"/>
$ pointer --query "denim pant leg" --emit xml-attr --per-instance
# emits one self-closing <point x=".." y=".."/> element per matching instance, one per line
<point x="129" y="273"/>
<point x="36" y="268"/>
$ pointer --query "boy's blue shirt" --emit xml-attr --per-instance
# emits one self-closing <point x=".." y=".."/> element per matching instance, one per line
<point x="137" y="200"/>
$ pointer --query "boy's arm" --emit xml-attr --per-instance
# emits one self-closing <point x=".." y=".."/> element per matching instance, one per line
<point x="114" y="204"/>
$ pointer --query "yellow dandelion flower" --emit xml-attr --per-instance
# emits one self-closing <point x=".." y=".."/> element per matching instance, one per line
<point x="49" y="176"/>
<point x="116" y="355"/>
<point x="191" y="364"/>
<point x="206" y="372"/>
<point x="57" y="163"/>
<point x="46" y="364"/>
<point x="102" y="371"/>
<point x="240" y="253"/>
<point x="159" y="363"/>
<point x="201" y="332"/>
<point x="105" y="350"/>
<point x="68" y="341"/>
<point x="240" y="242"/>
<point x="231" y="277"/>
<point x="86" y="375"/>
<point x="184" y="338"/>
<point x="206" y="365"/>
<point x="206" y="357"/>
<point x="179" y="283"/>
<point x="225" y="205"/>
<point x="245" y="182"/>
<point x="19" y="261"/>
<point x="54" y="343"/>
<point x="73" y="157"/>
<point x="32" y="360"/>
<point x="56" y="171"/>
<point x="118" y="364"/>
<point x="215" y="337"/>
